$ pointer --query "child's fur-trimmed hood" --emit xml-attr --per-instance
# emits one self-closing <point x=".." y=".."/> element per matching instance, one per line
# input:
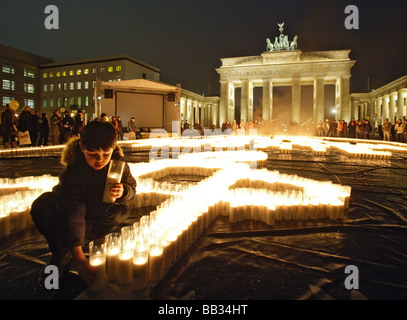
<point x="72" y="151"/>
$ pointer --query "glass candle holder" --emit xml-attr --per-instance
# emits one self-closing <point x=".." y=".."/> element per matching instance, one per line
<point x="113" y="248"/>
<point x="127" y="238"/>
<point x="125" y="267"/>
<point x="140" y="263"/>
<point x="114" y="175"/>
<point x="97" y="260"/>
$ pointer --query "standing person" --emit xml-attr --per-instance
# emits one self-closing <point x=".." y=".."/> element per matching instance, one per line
<point x="186" y="125"/>
<point x="73" y="211"/>
<point x="54" y="123"/>
<point x="120" y="127"/>
<point x="352" y="128"/>
<point x="327" y="127"/>
<point x="35" y="128"/>
<point x="339" y="129"/>
<point x="333" y="129"/>
<point x="24" y="121"/>
<point x="234" y="126"/>
<point x="9" y="122"/>
<point x="77" y="124"/>
<point x="360" y="129"/>
<point x="399" y="130"/>
<point x="386" y="128"/>
<point x="115" y="125"/>
<point x="132" y="128"/>
<point x="320" y="129"/>
<point x="44" y="130"/>
<point x="366" y="129"/>
<point x="66" y="127"/>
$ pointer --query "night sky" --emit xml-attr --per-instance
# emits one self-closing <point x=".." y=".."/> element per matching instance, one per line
<point x="186" y="39"/>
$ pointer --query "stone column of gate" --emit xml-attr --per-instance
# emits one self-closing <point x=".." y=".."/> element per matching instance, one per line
<point x="296" y="100"/>
<point x="386" y="108"/>
<point x="376" y="108"/>
<point x="400" y="104"/>
<point x="345" y="108"/>
<point x="184" y="109"/>
<point x="370" y="112"/>
<point x="319" y="100"/>
<point x="223" y="103"/>
<point x="392" y="106"/>
<point x="355" y="109"/>
<point x="244" y="101"/>
<point x="342" y="98"/>
<point x="267" y="100"/>
<point x="196" y="110"/>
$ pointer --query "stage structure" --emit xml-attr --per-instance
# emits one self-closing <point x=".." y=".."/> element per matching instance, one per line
<point x="283" y="64"/>
<point x="153" y="104"/>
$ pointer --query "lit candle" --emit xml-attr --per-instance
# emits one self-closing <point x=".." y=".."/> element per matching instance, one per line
<point x="155" y="262"/>
<point x="140" y="271"/>
<point x="98" y="263"/>
<point x="4" y="224"/>
<point x="125" y="268"/>
<point x="112" y="263"/>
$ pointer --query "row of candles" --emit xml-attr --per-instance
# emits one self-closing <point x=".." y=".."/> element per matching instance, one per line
<point x="355" y="148"/>
<point x="151" y="246"/>
<point x="16" y="196"/>
<point x="42" y="151"/>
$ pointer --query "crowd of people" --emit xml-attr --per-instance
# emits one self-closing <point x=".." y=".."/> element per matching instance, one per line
<point x="58" y="129"/>
<point x="61" y="128"/>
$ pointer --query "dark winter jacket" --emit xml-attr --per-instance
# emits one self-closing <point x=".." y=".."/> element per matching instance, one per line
<point x="80" y="192"/>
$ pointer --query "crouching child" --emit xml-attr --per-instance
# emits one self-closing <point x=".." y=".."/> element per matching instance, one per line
<point x="73" y="213"/>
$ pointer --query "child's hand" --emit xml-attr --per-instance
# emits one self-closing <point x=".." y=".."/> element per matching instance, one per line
<point x="117" y="190"/>
<point x="86" y="272"/>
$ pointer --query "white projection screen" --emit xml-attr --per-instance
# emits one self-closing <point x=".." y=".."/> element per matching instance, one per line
<point x="147" y="109"/>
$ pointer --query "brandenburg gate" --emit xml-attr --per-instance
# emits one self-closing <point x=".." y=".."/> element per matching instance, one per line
<point x="283" y="64"/>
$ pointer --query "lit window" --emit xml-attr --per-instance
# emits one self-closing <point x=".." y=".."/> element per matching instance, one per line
<point x="86" y="84"/>
<point x="71" y="101"/>
<point x="86" y="101"/>
<point x="59" y="102"/>
<point x="29" y="73"/>
<point x="44" y="103"/>
<point x="29" y="103"/>
<point x="51" y="87"/>
<point x="94" y="70"/>
<point x="78" y="72"/>
<point x="65" y="86"/>
<point x="71" y="72"/>
<point x="29" y="88"/>
<point x="64" y="73"/>
<point x="72" y="86"/>
<point x="45" y="88"/>
<point x="102" y="70"/>
<point x="6" y="100"/>
<point x="110" y="69"/>
<point x="59" y="86"/>
<point x="45" y="75"/>
<point x="118" y="68"/>
<point x="79" y="85"/>
<point x="51" y="102"/>
<point x="8" y="69"/>
<point x="51" y="74"/>
<point x="79" y="101"/>
<point x="86" y="71"/>
<point x="7" y="85"/>
<point x="58" y="74"/>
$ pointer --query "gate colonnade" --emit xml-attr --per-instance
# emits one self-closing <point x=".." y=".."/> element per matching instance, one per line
<point x="286" y="68"/>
